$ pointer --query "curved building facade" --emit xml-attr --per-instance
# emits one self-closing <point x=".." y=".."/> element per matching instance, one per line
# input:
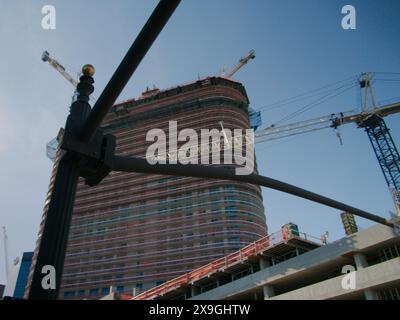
<point x="135" y="231"/>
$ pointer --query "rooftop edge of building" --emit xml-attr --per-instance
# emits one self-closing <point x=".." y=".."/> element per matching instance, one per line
<point x="156" y="95"/>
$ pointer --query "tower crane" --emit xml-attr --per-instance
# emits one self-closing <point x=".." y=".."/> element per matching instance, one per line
<point x="371" y="119"/>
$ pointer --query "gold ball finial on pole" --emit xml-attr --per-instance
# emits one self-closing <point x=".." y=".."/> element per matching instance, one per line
<point x="88" y="70"/>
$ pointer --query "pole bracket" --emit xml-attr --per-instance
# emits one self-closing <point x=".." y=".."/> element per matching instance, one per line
<point x="94" y="158"/>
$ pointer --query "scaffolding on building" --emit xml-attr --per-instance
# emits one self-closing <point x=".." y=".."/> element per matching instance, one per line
<point x="257" y="248"/>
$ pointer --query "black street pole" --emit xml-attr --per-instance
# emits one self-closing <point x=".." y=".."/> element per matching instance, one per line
<point x="86" y="153"/>
<point x="54" y="233"/>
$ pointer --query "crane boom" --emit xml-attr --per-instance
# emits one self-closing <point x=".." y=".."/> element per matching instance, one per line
<point x="242" y="62"/>
<point x="278" y="132"/>
<point x="56" y="65"/>
<point x="382" y="112"/>
<point x="329" y="121"/>
<point x="373" y="123"/>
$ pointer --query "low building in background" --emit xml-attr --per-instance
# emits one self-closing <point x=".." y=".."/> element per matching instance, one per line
<point x="2" y="287"/>
<point x="18" y="276"/>
<point x="293" y="266"/>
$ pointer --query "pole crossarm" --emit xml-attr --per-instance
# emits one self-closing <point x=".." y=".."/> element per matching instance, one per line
<point x="128" y="65"/>
<point x="140" y="165"/>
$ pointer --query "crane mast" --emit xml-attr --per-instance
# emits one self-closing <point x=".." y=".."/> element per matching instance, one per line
<point x="382" y="142"/>
<point x="385" y="151"/>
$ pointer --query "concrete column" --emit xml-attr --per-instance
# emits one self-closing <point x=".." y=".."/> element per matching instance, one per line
<point x="361" y="263"/>
<point x="194" y="291"/>
<point x="264" y="263"/>
<point x="370" y="294"/>
<point x="268" y="291"/>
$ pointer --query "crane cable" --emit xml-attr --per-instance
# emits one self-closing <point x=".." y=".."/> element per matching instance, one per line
<point x="306" y="95"/>
<point x="332" y="94"/>
<point x="319" y="91"/>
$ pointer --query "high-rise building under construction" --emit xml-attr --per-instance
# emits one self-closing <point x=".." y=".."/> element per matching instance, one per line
<point x="135" y="231"/>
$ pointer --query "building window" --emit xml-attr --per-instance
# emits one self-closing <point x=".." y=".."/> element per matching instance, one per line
<point x="139" y="286"/>
<point x="94" y="292"/>
<point x="105" y="291"/>
<point x="69" y="294"/>
<point x="81" y="292"/>
<point x="120" y="288"/>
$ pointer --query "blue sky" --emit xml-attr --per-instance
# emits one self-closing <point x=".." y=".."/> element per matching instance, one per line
<point x="300" y="46"/>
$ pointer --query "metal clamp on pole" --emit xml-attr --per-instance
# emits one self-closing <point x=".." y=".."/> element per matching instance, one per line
<point x="93" y="159"/>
